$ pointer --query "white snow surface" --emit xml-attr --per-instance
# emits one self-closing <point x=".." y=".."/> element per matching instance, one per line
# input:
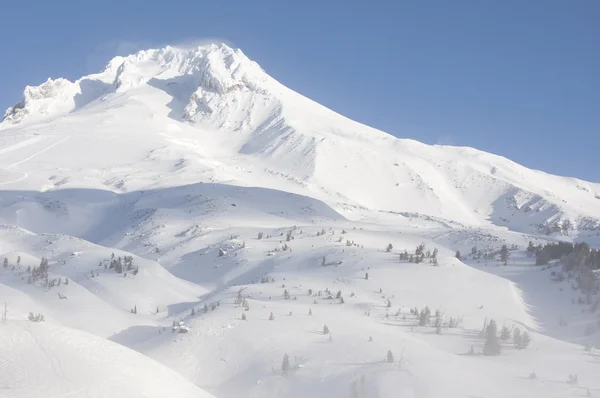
<point x="180" y="158"/>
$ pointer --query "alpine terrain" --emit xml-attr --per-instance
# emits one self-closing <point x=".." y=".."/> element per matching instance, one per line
<point x="181" y="224"/>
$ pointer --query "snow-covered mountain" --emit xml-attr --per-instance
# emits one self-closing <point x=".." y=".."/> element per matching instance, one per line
<point x="178" y="189"/>
<point x="233" y="113"/>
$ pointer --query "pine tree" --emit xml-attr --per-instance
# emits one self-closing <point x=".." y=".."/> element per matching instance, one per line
<point x="438" y="322"/>
<point x="424" y="316"/>
<point x="517" y="338"/>
<point x="5" y="264"/>
<point x="530" y="249"/>
<point x="366" y="275"/>
<point x="389" y="357"/>
<point x="285" y="364"/>
<point x="504" y="254"/>
<point x="505" y="333"/>
<point x="325" y="329"/>
<point x="389" y="247"/>
<point x="310" y="311"/>
<point x="525" y="340"/>
<point x="271" y="317"/>
<point x="243" y="316"/>
<point x="492" y="343"/>
<point x="457" y="255"/>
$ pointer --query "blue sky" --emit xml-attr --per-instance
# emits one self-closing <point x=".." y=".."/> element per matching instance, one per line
<point x="516" y="78"/>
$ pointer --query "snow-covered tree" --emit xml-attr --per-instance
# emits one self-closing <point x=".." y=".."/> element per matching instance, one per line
<point x="492" y="343"/>
<point x="505" y="333"/>
<point x="285" y="364"/>
<point x="389" y="357"/>
<point x="504" y="254"/>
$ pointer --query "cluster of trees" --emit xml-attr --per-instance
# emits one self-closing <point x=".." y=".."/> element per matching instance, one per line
<point x="5" y="262"/>
<point x="40" y="272"/>
<point x="35" y="317"/>
<point x="420" y="254"/>
<point x="121" y="265"/>
<point x="572" y="254"/>
<point x="493" y="345"/>
<point x="267" y="279"/>
<point x="424" y="316"/>
<point x="503" y="252"/>
<point x="578" y="260"/>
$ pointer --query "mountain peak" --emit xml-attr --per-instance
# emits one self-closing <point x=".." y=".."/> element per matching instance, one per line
<point x="216" y="68"/>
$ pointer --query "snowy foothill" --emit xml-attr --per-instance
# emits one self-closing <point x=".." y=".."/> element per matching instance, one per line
<point x="182" y="224"/>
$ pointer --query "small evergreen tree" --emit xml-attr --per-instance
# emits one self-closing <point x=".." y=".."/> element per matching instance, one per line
<point x="505" y="333"/>
<point x="457" y="255"/>
<point x="243" y="316"/>
<point x="325" y="329"/>
<point x="492" y="343"/>
<point x="504" y="254"/>
<point x="285" y="364"/>
<point x="389" y="247"/>
<point x="438" y="322"/>
<point x="424" y="316"/>
<point x="525" y="340"/>
<point x="517" y="338"/>
<point x="366" y="275"/>
<point x="271" y="317"/>
<point x="389" y="357"/>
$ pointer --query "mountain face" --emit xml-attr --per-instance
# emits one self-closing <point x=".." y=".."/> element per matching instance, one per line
<point x="211" y="114"/>
<point x="183" y="204"/>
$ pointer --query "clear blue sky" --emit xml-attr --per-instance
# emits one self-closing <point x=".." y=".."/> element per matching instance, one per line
<point x="520" y="78"/>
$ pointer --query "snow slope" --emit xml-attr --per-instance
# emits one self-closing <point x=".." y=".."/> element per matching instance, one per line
<point x="225" y="188"/>
<point x="44" y="359"/>
<point x="242" y="116"/>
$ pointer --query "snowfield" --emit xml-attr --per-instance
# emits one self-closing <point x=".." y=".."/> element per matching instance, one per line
<point x="199" y="221"/>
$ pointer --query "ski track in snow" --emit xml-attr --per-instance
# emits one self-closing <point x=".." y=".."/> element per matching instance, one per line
<point x="22" y="145"/>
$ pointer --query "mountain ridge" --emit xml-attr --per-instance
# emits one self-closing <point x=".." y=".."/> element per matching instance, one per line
<point x="238" y="111"/>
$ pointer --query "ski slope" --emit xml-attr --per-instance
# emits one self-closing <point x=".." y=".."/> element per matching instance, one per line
<point x="225" y="187"/>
